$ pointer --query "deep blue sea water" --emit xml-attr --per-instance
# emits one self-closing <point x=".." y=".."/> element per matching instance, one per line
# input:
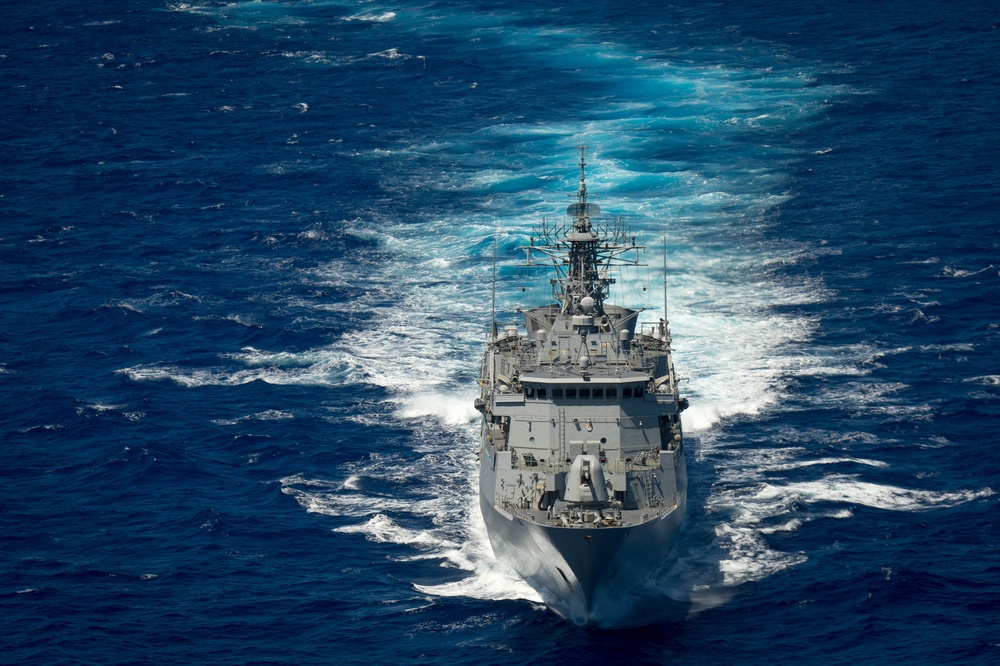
<point x="245" y="258"/>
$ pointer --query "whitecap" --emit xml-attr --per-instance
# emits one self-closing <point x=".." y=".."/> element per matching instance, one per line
<point x="390" y="54"/>
<point x="317" y="367"/>
<point x="750" y="558"/>
<point x="986" y="380"/>
<point x="384" y="17"/>
<point x="948" y="271"/>
<point x="450" y="409"/>
<point x="852" y="490"/>
<point x="380" y="528"/>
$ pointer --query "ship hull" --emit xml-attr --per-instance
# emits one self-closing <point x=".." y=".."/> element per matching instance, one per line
<point x="588" y="575"/>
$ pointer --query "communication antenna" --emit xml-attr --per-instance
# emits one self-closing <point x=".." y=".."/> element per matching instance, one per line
<point x="493" y="303"/>
<point x="666" y="318"/>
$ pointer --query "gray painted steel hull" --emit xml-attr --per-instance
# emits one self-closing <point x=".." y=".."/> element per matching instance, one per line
<point x="582" y="573"/>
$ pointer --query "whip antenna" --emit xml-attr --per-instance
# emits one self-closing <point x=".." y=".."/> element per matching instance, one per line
<point x="666" y="317"/>
<point x="493" y="303"/>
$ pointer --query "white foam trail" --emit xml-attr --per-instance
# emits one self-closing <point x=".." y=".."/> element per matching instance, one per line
<point x="267" y="415"/>
<point x="382" y="529"/>
<point x="948" y="271"/>
<point x="752" y="508"/>
<point x="750" y="559"/>
<point x="850" y="490"/>
<point x="985" y="380"/>
<point x="489" y="578"/>
<point x="450" y="409"/>
<point x="330" y="499"/>
<point x="426" y="302"/>
<point x="458" y="539"/>
<point x="313" y="368"/>
<point x="384" y="17"/>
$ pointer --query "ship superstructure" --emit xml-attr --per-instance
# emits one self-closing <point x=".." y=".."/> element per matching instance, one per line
<point x="582" y="472"/>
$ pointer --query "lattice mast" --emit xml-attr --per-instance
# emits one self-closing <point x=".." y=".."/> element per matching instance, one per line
<point x="583" y="251"/>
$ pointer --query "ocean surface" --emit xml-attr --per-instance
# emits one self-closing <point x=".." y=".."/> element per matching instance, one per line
<point x="245" y="277"/>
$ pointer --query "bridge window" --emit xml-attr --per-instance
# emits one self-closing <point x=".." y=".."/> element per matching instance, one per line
<point x="638" y="392"/>
<point x="611" y="393"/>
<point x="541" y="393"/>
<point x="571" y="394"/>
<point x="598" y="393"/>
<point x="529" y="391"/>
<point x="557" y="393"/>
<point x="584" y="393"/>
<point x="627" y="392"/>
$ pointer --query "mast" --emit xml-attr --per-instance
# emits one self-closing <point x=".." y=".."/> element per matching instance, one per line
<point x="583" y="279"/>
<point x="583" y="251"/>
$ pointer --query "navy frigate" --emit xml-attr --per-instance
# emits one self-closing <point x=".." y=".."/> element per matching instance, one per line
<point x="582" y="479"/>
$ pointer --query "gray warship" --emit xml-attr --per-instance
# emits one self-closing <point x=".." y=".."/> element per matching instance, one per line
<point x="582" y="478"/>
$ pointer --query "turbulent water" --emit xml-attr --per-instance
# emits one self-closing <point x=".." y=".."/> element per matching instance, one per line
<point x="246" y="280"/>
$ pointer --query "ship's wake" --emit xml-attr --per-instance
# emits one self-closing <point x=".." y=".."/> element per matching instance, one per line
<point x="693" y="155"/>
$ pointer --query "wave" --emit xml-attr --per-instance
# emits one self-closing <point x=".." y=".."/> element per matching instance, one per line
<point x="985" y="380"/>
<point x="382" y="529"/>
<point x="948" y="271"/>
<point x="851" y="490"/>
<point x="384" y="17"/>
<point x="751" y="508"/>
<point x="314" y="368"/>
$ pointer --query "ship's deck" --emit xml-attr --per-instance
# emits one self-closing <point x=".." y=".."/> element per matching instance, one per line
<point x="562" y="514"/>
